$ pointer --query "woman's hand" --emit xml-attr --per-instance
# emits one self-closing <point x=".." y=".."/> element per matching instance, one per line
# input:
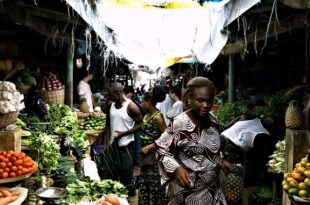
<point x="225" y="165"/>
<point x="182" y="177"/>
<point x="145" y="149"/>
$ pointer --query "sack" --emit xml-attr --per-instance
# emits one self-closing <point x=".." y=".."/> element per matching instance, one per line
<point x="146" y="159"/>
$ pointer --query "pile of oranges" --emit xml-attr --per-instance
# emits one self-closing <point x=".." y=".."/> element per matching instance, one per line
<point x="13" y="164"/>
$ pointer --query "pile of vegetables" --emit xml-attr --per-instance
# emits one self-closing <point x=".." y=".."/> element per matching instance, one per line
<point x="7" y="196"/>
<point x="297" y="182"/>
<point x="93" y="123"/>
<point x="64" y="122"/>
<point x="50" y="82"/>
<point x="47" y="149"/>
<point x="64" y="174"/>
<point x="24" y="77"/>
<point x="10" y="98"/>
<point x="14" y="164"/>
<point x="87" y="190"/>
<point x="110" y="199"/>
<point x="229" y="111"/>
<point x="277" y="161"/>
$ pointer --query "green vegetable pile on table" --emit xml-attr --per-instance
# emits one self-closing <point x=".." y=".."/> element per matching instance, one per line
<point x="47" y="148"/>
<point x="62" y="120"/>
<point x="93" y="123"/>
<point x="87" y="190"/>
<point x="65" y="122"/>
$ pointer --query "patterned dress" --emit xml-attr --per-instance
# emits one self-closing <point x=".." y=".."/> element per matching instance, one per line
<point x="197" y="150"/>
<point x="150" y="190"/>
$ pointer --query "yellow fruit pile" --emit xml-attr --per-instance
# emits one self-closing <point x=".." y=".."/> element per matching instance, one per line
<point x="297" y="182"/>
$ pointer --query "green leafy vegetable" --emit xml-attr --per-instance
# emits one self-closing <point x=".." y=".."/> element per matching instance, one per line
<point x="91" y="191"/>
<point x="48" y="151"/>
<point x="64" y="122"/>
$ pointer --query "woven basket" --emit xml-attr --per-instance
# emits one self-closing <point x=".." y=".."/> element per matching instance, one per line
<point x="54" y="96"/>
<point x="6" y="119"/>
<point x="23" y="89"/>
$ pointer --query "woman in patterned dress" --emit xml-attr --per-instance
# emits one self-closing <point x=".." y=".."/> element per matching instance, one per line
<point x="150" y="190"/>
<point x="189" y="151"/>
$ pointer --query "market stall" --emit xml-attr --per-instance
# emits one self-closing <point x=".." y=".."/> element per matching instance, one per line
<point x="54" y="149"/>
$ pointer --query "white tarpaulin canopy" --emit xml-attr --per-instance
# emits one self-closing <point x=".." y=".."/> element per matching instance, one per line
<point x="159" y="37"/>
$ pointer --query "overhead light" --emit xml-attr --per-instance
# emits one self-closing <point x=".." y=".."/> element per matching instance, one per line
<point x="79" y="62"/>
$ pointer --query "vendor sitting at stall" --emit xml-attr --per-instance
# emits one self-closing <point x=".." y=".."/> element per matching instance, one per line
<point x="84" y="90"/>
<point x="246" y="141"/>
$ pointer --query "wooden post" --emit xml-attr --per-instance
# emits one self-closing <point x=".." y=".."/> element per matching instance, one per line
<point x="231" y="78"/>
<point x="69" y="80"/>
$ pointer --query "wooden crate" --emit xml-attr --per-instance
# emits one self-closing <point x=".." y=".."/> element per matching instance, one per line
<point x="10" y="140"/>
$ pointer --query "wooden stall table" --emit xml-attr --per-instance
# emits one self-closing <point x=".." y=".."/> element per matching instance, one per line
<point x="92" y="135"/>
<point x="276" y="184"/>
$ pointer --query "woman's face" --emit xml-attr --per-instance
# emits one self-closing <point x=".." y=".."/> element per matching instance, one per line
<point x="145" y="104"/>
<point x="201" y="101"/>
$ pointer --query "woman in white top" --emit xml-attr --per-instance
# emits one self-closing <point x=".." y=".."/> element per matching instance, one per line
<point x="84" y="90"/>
<point x="177" y="107"/>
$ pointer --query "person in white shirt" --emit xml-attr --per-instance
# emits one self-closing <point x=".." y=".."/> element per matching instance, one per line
<point x="177" y="106"/>
<point x="164" y="106"/>
<point x="84" y="90"/>
<point x="123" y="120"/>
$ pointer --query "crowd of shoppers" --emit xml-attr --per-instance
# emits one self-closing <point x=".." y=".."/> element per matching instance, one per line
<point x="185" y="144"/>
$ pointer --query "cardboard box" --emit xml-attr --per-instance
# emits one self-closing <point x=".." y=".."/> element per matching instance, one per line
<point x="10" y="140"/>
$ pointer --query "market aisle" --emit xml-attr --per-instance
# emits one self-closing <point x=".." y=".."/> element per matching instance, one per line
<point x="134" y="200"/>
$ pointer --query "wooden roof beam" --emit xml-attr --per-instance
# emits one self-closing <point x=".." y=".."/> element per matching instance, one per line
<point x="296" y="4"/>
<point x="54" y="15"/>
<point x="20" y="16"/>
<point x="287" y="24"/>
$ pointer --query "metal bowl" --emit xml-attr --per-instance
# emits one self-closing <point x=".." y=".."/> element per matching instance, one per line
<point x="51" y="193"/>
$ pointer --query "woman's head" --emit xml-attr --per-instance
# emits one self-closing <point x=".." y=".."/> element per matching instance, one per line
<point x="199" y="95"/>
<point x="129" y="92"/>
<point x="152" y="97"/>
<point x="175" y="91"/>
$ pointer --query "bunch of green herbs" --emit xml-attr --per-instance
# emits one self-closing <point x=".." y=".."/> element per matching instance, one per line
<point x="47" y="149"/>
<point x="88" y="190"/>
<point x="65" y="122"/>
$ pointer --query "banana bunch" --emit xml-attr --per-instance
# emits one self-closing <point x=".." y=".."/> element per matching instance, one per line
<point x="277" y="159"/>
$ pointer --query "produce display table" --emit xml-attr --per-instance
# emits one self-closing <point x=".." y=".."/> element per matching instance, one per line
<point x="276" y="184"/>
<point x="92" y="135"/>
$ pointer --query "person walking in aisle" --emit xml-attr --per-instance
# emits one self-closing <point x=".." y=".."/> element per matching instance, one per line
<point x="177" y="106"/>
<point x="150" y="190"/>
<point x="164" y="106"/>
<point x="189" y="150"/>
<point x="123" y="120"/>
<point x="130" y="93"/>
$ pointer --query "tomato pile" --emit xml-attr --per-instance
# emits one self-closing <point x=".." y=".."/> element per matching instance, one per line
<point x="14" y="164"/>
